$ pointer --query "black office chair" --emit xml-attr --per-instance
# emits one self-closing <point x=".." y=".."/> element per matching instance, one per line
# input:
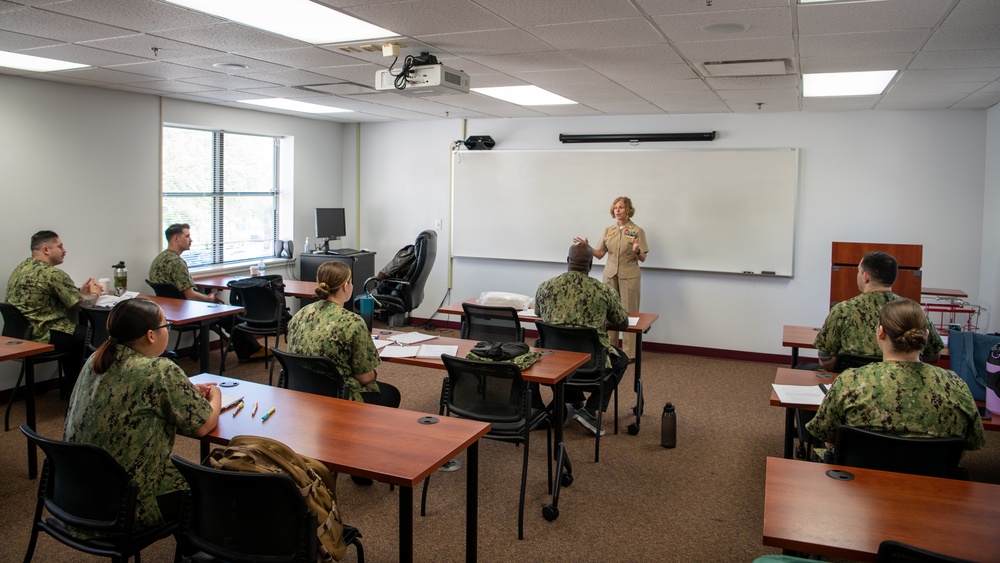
<point x="933" y="457"/>
<point x="806" y="440"/>
<point x="247" y="517"/>
<point x="265" y="314"/>
<point x="891" y="551"/>
<point x="396" y="298"/>
<point x="168" y="290"/>
<point x="494" y="392"/>
<point x="309" y="374"/>
<point x="16" y="325"/>
<point x="499" y="324"/>
<point x="592" y="376"/>
<point x="97" y="326"/>
<point x="84" y="487"/>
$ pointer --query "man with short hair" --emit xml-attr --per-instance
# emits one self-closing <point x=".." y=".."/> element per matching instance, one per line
<point x="45" y="295"/>
<point x="168" y="267"/>
<point x="850" y="325"/>
<point x="576" y="299"/>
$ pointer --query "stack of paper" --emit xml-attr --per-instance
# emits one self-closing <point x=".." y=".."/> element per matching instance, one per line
<point x="111" y="300"/>
<point x="424" y="351"/>
<point x="527" y="313"/>
<point x="410" y="337"/>
<point x="799" y="394"/>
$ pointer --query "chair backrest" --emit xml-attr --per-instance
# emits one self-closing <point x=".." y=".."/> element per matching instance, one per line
<point x="310" y="374"/>
<point x="426" y="245"/>
<point x="891" y="551"/>
<point x="15" y="324"/>
<point x="499" y="324"/>
<point x="485" y="391"/>
<point x="242" y="516"/>
<point x="850" y="361"/>
<point x="934" y="457"/>
<point x="575" y="339"/>
<point x="263" y="297"/>
<point x="83" y="486"/>
<point x="165" y="290"/>
<point x="97" y="326"/>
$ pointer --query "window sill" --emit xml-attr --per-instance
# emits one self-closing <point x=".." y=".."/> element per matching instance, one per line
<point x="238" y="267"/>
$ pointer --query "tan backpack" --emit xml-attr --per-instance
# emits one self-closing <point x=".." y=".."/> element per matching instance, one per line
<point x="257" y="454"/>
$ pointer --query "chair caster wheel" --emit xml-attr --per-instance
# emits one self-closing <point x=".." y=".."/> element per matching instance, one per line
<point x="550" y="512"/>
<point x="633" y="429"/>
<point x="565" y="481"/>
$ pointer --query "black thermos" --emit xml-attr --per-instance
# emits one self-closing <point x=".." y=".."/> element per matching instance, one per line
<point x="668" y="427"/>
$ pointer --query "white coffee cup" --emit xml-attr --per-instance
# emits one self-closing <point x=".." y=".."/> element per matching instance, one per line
<point x="254" y="271"/>
<point x="105" y="283"/>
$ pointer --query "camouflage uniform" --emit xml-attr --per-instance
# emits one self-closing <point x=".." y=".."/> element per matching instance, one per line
<point x="326" y="329"/>
<point x="576" y="299"/>
<point x="133" y="411"/>
<point x="850" y="327"/>
<point x="44" y="294"/>
<point x="169" y="267"/>
<point x="908" y="399"/>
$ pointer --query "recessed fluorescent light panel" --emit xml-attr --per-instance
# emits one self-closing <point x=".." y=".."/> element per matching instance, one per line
<point x="831" y="84"/>
<point x="525" y="96"/>
<point x="36" y="64"/>
<point x="298" y="19"/>
<point x="293" y="105"/>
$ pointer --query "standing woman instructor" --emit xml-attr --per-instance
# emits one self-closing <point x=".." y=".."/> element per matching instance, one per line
<point x="625" y="244"/>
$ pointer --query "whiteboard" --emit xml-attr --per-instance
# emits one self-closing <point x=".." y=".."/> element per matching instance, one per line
<point x="703" y="210"/>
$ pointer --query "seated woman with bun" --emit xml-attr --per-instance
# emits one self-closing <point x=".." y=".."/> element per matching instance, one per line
<point x="132" y="403"/>
<point x="325" y="328"/>
<point x="900" y="395"/>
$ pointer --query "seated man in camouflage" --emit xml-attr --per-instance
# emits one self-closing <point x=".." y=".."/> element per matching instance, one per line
<point x="576" y="299"/>
<point x="45" y="295"/>
<point x="850" y="325"/>
<point x="168" y="267"/>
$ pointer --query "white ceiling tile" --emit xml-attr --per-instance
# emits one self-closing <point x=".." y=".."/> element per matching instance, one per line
<point x="483" y="43"/>
<point x="659" y="72"/>
<point x="885" y="15"/>
<point x="530" y="62"/>
<point x="231" y="38"/>
<point x="105" y="75"/>
<point x="407" y="46"/>
<point x="230" y="82"/>
<point x="162" y="69"/>
<point x="978" y="100"/>
<point x="783" y="95"/>
<point x="627" y="108"/>
<point x="286" y="77"/>
<point x="850" y="44"/>
<point x="173" y="86"/>
<point x="647" y="88"/>
<point x="527" y="13"/>
<point x="937" y="76"/>
<point x="957" y="59"/>
<point x="41" y="23"/>
<point x="771" y="22"/>
<point x="753" y="82"/>
<point x="555" y="78"/>
<point x="229" y="95"/>
<point x="857" y="63"/>
<point x="700" y="96"/>
<point x="427" y="17"/>
<point x="208" y="62"/>
<point x="567" y="111"/>
<point x="141" y="45"/>
<point x="10" y="41"/>
<point x="915" y="102"/>
<point x="738" y="50"/>
<point x="694" y="107"/>
<point x="768" y="105"/>
<point x="285" y="92"/>
<point x="635" y="58"/>
<point x="360" y="74"/>
<point x="965" y="38"/>
<point x="82" y="55"/>
<point x="946" y="90"/>
<point x="974" y="12"/>
<point x="657" y="7"/>
<point x="598" y="34"/>
<point x="839" y="104"/>
<point x="137" y="15"/>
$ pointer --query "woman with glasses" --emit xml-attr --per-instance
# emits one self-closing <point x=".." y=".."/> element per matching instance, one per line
<point x="131" y="402"/>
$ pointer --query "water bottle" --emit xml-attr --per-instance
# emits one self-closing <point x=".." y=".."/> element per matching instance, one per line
<point x="668" y="427"/>
<point x="121" y="278"/>
<point x="261" y="266"/>
<point x="305" y="247"/>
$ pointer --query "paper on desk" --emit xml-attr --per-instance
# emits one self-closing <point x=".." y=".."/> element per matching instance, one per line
<point x="435" y="351"/>
<point x="410" y="337"/>
<point x="230" y="401"/>
<point x="632" y="321"/>
<point x="799" y="394"/>
<point x="399" y="352"/>
<point x="379" y="344"/>
<point x="527" y="313"/>
<point x="111" y="300"/>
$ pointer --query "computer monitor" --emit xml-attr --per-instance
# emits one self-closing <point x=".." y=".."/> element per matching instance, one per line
<point x="330" y="224"/>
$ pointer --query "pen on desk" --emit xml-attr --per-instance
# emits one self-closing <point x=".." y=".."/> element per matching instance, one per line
<point x="239" y="407"/>
<point x="267" y="415"/>
<point x="253" y="413"/>
<point x="823" y="388"/>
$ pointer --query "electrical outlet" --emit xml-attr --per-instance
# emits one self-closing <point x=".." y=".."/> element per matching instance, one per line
<point x="438" y="224"/>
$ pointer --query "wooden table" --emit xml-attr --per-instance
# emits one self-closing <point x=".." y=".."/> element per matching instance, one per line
<point x="183" y="311"/>
<point x="795" y="337"/>
<point x="646" y="321"/>
<point x="787" y="376"/>
<point x="379" y="443"/>
<point x="943" y="292"/>
<point x="551" y="370"/>
<point x="13" y="349"/>
<point x="850" y="519"/>
<point x="295" y="288"/>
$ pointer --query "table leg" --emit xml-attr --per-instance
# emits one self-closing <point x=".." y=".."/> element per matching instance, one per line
<point x="640" y="402"/>
<point x="472" y="502"/>
<point x="406" y="524"/>
<point x="29" y="408"/>
<point x="795" y="356"/>
<point x="551" y="511"/>
<point x="204" y="336"/>
<point x="789" y="432"/>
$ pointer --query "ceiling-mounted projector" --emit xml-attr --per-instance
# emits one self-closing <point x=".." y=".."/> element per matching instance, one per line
<point x="426" y="80"/>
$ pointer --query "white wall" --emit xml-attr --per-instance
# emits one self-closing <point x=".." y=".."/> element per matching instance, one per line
<point x="85" y="162"/>
<point x="903" y="177"/>
<point x="990" y="280"/>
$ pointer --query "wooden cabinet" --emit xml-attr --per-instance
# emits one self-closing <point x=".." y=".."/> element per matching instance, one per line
<point x="844" y="269"/>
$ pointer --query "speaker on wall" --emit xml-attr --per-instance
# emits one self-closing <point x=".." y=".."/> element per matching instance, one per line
<point x="480" y="143"/>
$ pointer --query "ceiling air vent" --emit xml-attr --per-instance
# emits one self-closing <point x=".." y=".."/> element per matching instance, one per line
<point x="746" y="68"/>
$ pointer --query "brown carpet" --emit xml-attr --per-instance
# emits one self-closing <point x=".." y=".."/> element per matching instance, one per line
<point x="702" y="501"/>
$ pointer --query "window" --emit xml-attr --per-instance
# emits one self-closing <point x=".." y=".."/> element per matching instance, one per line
<point x="226" y="186"/>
